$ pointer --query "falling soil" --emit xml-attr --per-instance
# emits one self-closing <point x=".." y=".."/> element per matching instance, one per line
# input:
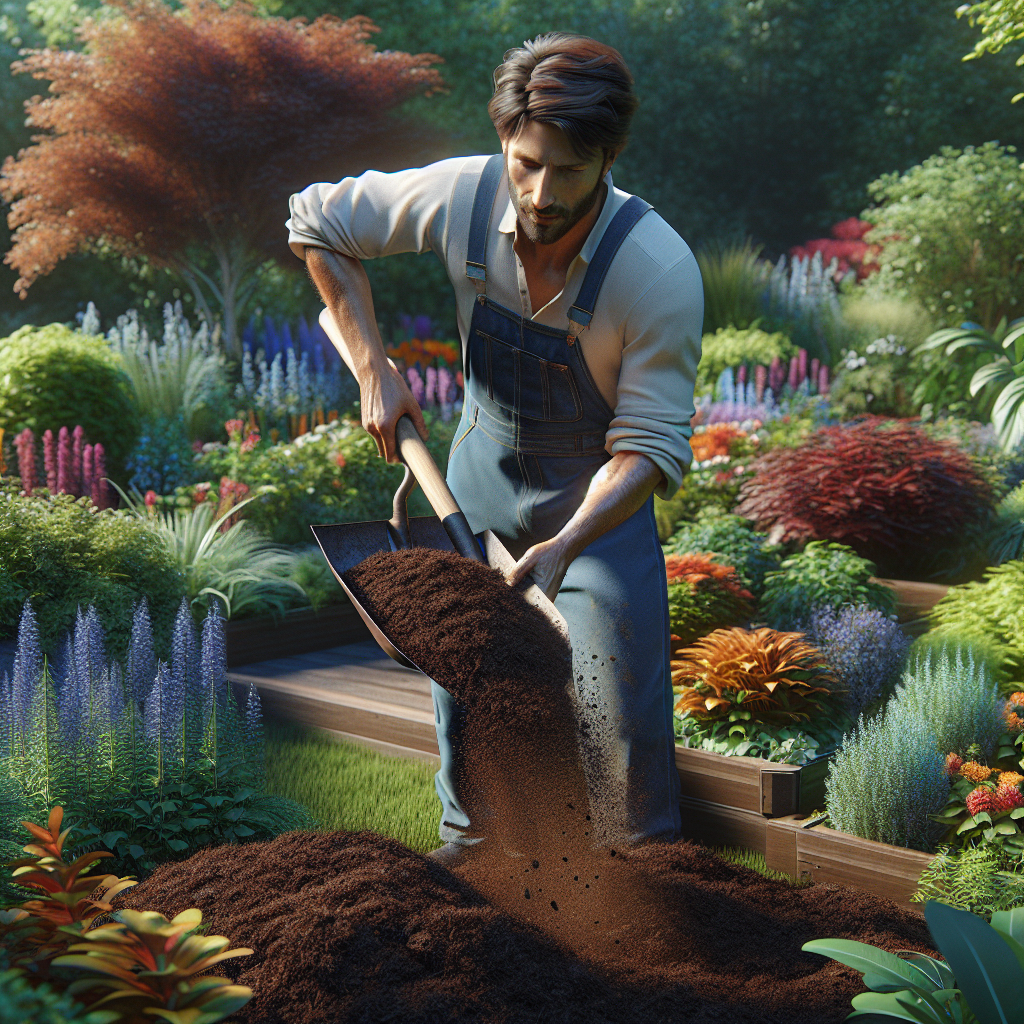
<point x="537" y="922"/>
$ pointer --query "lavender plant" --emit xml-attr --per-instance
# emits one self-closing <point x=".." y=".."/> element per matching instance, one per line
<point x="887" y="778"/>
<point x="138" y="773"/>
<point x="866" y="649"/>
<point x="889" y="775"/>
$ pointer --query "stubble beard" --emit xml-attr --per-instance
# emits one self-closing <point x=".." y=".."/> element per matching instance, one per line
<point x="569" y="217"/>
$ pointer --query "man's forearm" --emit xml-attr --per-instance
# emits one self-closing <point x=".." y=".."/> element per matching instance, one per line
<point x="617" y="490"/>
<point x="345" y="290"/>
<point x="384" y="396"/>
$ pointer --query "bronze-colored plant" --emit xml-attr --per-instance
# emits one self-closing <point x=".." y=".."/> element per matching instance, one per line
<point x="774" y="676"/>
<point x="33" y="929"/>
<point x="154" y="965"/>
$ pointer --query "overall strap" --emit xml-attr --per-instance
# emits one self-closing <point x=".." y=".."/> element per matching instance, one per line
<point x="486" y="190"/>
<point x="582" y="310"/>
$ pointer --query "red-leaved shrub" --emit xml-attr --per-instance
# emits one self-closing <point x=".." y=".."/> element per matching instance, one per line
<point x="882" y="487"/>
<point x="847" y="246"/>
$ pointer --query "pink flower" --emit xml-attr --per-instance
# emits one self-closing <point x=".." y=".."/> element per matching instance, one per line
<point x="100" y="492"/>
<point x="77" y="444"/>
<point x="50" y="461"/>
<point x="234" y="428"/>
<point x="25" y="443"/>
<point x="250" y="442"/>
<point x="760" y="380"/>
<point x="151" y="498"/>
<point x="63" y="461"/>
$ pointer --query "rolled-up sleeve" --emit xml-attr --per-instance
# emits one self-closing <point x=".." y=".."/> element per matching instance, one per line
<point x="661" y="350"/>
<point x="374" y="214"/>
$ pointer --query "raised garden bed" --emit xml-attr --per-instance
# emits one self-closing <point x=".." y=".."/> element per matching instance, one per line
<point x="751" y="783"/>
<point x="804" y="850"/>
<point x="264" y="637"/>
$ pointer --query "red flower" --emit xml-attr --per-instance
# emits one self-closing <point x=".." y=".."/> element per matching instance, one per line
<point x="234" y="428"/>
<point x="250" y="442"/>
<point x="339" y="460"/>
<point x="150" y="498"/>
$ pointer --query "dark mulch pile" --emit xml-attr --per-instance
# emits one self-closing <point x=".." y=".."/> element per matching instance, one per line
<point x="539" y="924"/>
<point x="354" y="927"/>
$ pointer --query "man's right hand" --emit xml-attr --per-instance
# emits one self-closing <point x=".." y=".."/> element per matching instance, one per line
<point x="350" y="323"/>
<point x="384" y="398"/>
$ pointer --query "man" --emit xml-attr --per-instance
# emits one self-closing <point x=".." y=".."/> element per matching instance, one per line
<point x="580" y="312"/>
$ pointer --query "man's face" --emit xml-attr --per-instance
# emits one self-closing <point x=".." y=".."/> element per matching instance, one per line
<point x="551" y="188"/>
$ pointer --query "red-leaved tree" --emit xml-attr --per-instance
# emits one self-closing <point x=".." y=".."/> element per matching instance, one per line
<point x="177" y="136"/>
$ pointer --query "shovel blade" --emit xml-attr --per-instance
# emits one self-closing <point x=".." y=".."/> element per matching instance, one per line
<point x="345" y="545"/>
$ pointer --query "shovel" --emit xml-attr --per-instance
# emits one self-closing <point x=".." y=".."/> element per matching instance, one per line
<point x="345" y="545"/>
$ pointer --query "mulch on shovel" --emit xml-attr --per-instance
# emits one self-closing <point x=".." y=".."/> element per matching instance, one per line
<point x="538" y="924"/>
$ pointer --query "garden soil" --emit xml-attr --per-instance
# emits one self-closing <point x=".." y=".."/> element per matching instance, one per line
<point x="538" y="923"/>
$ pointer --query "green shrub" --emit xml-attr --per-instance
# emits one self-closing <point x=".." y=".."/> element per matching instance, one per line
<point x="823" y="575"/>
<point x="332" y="474"/>
<point x="870" y="312"/>
<point x="872" y="380"/>
<point x="23" y="1003"/>
<point x="52" y="377"/>
<point x="732" y="540"/>
<point x="730" y="346"/>
<point x="60" y="552"/>
<point x="991" y="613"/>
<point x="970" y="880"/>
<point x="949" y="233"/>
<point x="703" y="595"/>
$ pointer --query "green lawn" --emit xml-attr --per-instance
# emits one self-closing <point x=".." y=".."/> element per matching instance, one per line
<point x="351" y="787"/>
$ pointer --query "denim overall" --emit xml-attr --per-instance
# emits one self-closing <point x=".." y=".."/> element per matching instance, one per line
<point x="532" y="436"/>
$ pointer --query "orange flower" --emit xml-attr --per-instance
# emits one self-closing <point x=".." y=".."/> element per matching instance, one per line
<point x="953" y="763"/>
<point x="1010" y="779"/>
<point x="339" y="460"/>
<point x="716" y="440"/>
<point x="974" y="772"/>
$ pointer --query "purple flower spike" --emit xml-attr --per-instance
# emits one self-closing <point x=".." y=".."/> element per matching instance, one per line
<point x="214" y="659"/>
<point x="801" y="366"/>
<point x="185" y="650"/>
<point x="823" y="384"/>
<point x="141" y="660"/>
<point x="794" y="373"/>
<point x="253" y="723"/>
<point x="422" y="327"/>
<point x="28" y="663"/>
<point x="87" y="473"/>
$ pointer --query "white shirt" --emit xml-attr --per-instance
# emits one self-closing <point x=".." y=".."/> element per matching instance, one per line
<point x="643" y="344"/>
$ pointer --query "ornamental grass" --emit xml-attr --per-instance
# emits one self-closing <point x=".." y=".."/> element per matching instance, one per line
<point x="776" y="677"/>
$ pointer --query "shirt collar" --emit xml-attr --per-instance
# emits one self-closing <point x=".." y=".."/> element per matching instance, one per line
<point x="613" y="201"/>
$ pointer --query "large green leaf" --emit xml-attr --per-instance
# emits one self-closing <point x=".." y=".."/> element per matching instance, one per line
<point x="1010" y="925"/>
<point x="883" y="971"/>
<point x="996" y="372"/>
<point x="1008" y="414"/>
<point x="986" y="970"/>
<point x="888" y="1006"/>
<point x="937" y="970"/>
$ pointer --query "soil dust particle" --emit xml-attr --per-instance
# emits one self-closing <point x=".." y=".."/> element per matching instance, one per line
<point x="349" y="927"/>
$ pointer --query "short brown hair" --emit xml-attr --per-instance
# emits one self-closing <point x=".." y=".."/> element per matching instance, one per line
<point x="572" y="82"/>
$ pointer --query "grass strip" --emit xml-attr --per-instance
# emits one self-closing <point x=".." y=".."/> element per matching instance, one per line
<point x="351" y="787"/>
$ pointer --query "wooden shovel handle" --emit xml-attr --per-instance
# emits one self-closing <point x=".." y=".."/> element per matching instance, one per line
<point x="415" y="455"/>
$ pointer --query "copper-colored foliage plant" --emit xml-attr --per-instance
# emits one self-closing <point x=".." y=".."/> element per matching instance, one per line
<point x="152" y="966"/>
<point x="700" y="569"/>
<point x="884" y="488"/>
<point x="777" y="677"/>
<point x="70" y="896"/>
<point x="178" y="136"/>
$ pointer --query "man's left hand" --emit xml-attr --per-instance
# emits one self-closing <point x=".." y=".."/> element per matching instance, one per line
<point x="546" y="562"/>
